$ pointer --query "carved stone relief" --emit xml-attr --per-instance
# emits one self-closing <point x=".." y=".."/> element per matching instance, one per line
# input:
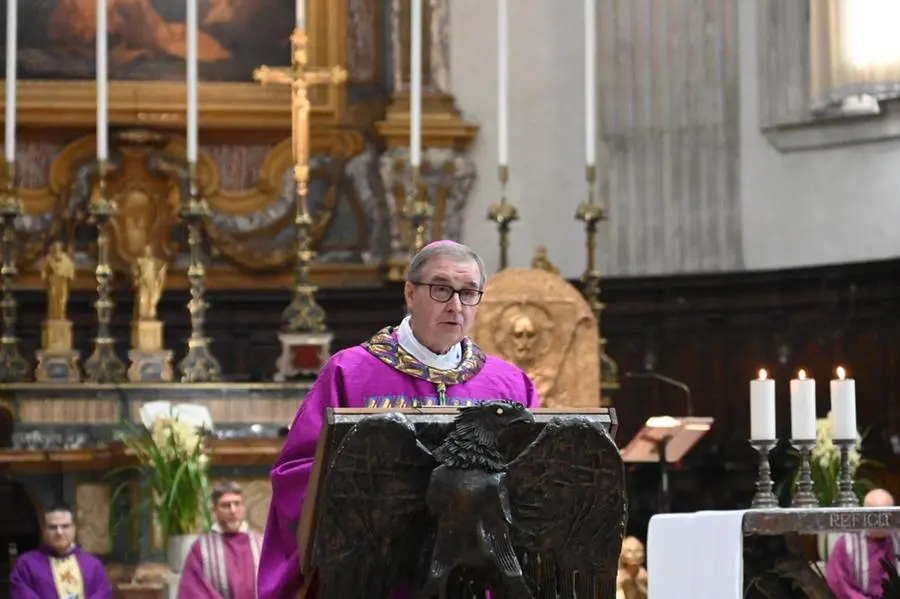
<point x="537" y="320"/>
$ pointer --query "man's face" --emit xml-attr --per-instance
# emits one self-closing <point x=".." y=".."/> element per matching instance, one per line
<point x="230" y="512"/>
<point x="59" y="531"/>
<point x="439" y="325"/>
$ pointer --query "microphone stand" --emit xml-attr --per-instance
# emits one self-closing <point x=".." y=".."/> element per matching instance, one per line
<point x="669" y="381"/>
<point x="665" y="499"/>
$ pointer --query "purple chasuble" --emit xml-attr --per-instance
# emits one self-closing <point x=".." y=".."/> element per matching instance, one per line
<point x="221" y="565"/>
<point x="379" y="373"/>
<point x="32" y="577"/>
<point x="854" y="569"/>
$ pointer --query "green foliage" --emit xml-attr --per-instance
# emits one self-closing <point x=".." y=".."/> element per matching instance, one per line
<point x="173" y="473"/>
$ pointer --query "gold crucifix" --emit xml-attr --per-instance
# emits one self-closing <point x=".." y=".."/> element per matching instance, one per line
<point x="303" y="314"/>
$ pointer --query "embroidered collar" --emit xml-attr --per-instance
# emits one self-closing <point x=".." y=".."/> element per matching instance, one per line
<point x="385" y="346"/>
<point x="408" y="341"/>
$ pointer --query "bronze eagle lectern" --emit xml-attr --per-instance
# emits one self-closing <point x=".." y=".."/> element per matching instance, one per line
<point x="492" y="501"/>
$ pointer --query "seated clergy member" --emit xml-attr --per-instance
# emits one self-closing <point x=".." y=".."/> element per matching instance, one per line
<point x="854" y="568"/>
<point x="58" y="569"/>
<point x="426" y="361"/>
<point x="222" y="564"/>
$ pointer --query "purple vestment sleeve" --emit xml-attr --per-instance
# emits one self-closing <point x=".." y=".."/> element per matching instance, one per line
<point x="193" y="583"/>
<point x="839" y="573"/>
<point x="279" y="563"/>
<point x="21" y="584"/>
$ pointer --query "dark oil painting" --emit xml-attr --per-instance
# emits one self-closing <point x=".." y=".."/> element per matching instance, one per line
<point x="147" y="40"/>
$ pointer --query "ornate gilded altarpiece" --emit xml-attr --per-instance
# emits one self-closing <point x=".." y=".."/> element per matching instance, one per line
<point x="359" y="141"/>
<point x="360" y="178"/>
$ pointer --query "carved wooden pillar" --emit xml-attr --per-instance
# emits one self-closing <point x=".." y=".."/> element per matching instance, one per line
<point x="447" y="173"/>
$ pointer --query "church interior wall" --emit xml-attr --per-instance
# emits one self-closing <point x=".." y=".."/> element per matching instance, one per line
<point x="745" y="205"/>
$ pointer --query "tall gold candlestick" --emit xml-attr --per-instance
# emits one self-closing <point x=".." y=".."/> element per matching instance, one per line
<point x="198" y="365"/>
<point x="103" y="366"/>
<point x="592" y="213"/>
<point x="504" y="214"/>
<point x="417" y="211"/>
<point x="13" y="367"/>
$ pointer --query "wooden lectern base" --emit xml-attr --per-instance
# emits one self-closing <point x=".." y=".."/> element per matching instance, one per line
<point x="310" y="586"/>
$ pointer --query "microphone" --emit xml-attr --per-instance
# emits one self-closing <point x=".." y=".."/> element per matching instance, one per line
<point x="668" y="381"/>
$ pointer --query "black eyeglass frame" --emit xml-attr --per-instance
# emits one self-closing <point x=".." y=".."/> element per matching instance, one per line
<point x="459" y="292"/>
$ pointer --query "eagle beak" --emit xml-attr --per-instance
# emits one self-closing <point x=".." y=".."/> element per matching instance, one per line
<point x="523" y="417"/>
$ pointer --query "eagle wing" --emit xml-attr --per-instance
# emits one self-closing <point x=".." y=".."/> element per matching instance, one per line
<point x="568" y="508"/>
<point x="374" y="522"/>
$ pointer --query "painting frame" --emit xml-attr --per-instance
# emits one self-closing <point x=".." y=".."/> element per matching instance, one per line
<point x="250" y="105"/>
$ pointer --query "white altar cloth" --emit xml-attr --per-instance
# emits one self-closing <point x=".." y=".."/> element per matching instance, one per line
<point x="696" y="556"/>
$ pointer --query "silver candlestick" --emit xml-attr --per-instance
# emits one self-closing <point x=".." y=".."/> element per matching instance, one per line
<point x="846" y="495"/>
<point x="765" y="497"/>
<point x="805" y="496"/>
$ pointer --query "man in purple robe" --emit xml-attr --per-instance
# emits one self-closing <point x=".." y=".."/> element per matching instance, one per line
<point x="427" y="360"/>
<point x="854" y="568"/>
<point x="222" y="564"/>
<point x="58" y="569"/>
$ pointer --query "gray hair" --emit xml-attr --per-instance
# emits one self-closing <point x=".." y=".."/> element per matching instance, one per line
<point x="451" y="250"/>
<point x="225" y="488"/>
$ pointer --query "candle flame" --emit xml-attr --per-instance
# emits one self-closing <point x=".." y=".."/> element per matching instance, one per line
<point x="801" y="375"/>
<point x="841" y="373"/>
<point x="763" y="375"/>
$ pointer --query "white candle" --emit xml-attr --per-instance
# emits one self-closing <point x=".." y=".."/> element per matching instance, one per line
<point x="762" y="408"/>
<point x="415" y="83"/>
<point x="192" y="82"/>
<point x="11" y="49"/>
<point x="843" y="406"/>
<point x="102" y="84"/>
<point x="503" y="81"/>
<point x="803" y="408"/>
<point x="590" y="81"/>
<point x="301" y="14"/>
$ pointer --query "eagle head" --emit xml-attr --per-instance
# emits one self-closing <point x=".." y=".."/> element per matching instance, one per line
<point x="474" y="441"/>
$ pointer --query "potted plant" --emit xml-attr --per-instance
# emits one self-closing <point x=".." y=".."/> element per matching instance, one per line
<point x="173" y="471"/>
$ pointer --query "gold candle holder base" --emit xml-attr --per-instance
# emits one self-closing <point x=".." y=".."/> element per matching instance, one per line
<point x="13" y="367"/>
<point x="504" y="214"/>
<point x="198" y="365"/>
<point x="104" y="365"/>
<point x="417" y="211"/>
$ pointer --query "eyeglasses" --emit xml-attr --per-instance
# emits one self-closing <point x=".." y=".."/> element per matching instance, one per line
<point x="444" y="293"/>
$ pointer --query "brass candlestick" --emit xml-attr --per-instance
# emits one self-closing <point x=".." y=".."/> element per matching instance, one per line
<point x="765" y="497"/>
<point x="846" y="495"/>
<point x="592" y="213"/>
<point x="805" y="496"/>
<point x="13" y="367"/>
<point x="417" y="211"/>
<point x="303" y="314"/>
<point x="103" y="366"/>
<point x="504" y="214"/>
<point x="198" y="365"/>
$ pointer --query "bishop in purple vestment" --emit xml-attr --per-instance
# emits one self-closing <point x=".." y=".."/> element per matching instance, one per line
<point x="58" y="569"/>
<point x="427" y="360"/>
<point x="222" y="564"/>
<point x="854" y="568"/>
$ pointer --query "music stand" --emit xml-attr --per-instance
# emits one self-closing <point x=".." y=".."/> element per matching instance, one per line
<point x="665" y="439"/>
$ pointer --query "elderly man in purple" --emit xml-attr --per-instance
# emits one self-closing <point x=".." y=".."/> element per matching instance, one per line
<point x="58" y="569"/>
<point x="426" y="361"/>
<point x="854" y="569"/>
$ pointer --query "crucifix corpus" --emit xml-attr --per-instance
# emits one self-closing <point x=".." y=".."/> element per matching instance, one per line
<point x="305" y="340"/>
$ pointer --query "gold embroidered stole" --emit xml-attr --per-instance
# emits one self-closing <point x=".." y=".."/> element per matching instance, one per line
<point x="67" y="577"/>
